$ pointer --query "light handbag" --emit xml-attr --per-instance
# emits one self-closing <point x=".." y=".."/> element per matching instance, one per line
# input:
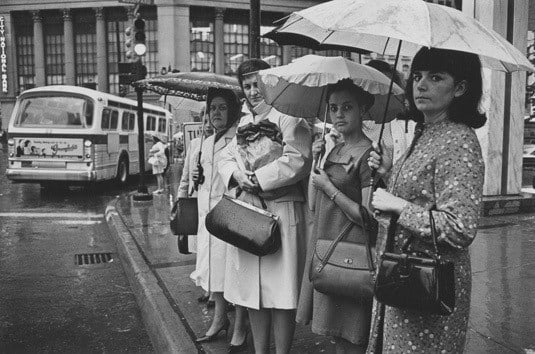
<point x="184" y="219"/>
<point x="421" y="281"/>
<point x="342" y="268"/>
<point x="245" y="226"/>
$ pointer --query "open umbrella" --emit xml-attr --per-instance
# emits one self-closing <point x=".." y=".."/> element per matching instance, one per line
<point x="182" y="103"/>
<point x="300" y="88"/>
<point x="380" y="25"/>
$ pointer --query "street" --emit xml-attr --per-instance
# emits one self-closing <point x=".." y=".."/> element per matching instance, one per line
<point x="49" y="302"/>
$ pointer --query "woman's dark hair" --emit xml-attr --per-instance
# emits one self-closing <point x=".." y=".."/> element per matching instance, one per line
<point x="250" y="66"/>
<point x="460" y="65"/>
<point x="233" y="104"/>
<point x="388" y="70"/>
<point x="364" y="98"/>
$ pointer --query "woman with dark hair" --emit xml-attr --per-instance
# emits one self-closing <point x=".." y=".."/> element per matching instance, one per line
<point x="224" y="113"/>
<point x="336" y="193"/>
<point x="443" y="171"/>
<point x="269" y="158"/>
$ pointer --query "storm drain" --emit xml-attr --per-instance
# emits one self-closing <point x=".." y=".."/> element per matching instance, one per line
<point x="92" y="258"/>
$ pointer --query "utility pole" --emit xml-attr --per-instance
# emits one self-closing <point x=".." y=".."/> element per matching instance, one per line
<point x="254" y="29"/>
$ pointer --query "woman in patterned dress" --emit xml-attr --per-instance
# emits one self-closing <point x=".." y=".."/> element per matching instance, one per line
<point x="335" y="194"/>
<point x="443" y="167"/>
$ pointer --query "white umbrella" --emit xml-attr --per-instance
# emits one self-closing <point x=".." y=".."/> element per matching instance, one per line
<point x="379" y="26"/>
<point x="300" y="88"/>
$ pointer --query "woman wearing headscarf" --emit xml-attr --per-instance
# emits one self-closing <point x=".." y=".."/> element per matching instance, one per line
<point x="224" y="112"/>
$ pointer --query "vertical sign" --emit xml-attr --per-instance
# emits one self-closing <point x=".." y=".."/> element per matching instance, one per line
<point x="3" y="56"/>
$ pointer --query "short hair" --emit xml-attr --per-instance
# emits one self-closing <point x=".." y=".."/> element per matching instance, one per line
<point x="460" y="65"/>
<point x="363" y="98"/>
<point x="250" y="66"/>
<point x="388" y="70"/>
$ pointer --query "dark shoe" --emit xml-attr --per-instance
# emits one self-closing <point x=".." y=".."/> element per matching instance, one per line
<point x="203" y="298"/>
<point x="239" y="348"/>
<point x="210" y="304"/>
<point x="207" y="338"/>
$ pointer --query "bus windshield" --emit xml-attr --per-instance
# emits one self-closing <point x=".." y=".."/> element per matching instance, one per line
<point x="59" y="111"/>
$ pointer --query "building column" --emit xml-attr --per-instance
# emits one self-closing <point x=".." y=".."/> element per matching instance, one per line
<point x="38" y="49"/>
<point x="286" y="54"/>
<point x="219" y="41"/>
<point x="503" y="98"/>
<point x="68" y="32"/>
<point x="174" y="36"/>
<point x="102" y="56"/>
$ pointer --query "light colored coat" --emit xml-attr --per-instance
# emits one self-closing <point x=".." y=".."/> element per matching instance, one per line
<point x="190" y="162"/>
<point x="272" y="281"/>
<point x="210" y="264"/>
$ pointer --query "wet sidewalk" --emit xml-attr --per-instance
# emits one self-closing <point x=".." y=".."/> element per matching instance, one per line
<point x="502" y="318"/>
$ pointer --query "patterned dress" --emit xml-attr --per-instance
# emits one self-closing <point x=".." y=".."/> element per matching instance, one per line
<point x="444" y="169"/>
<point x="331" y="315"/>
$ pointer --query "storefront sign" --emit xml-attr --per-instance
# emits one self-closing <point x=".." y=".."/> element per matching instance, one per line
<point x="192" y="130"/>
<point x="3" y="56"/>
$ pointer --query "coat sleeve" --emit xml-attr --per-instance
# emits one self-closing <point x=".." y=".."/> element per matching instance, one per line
<point x="228" y="163"/>
<point x="183" y="187"/>
<point x="458" y="181"/>
<point x="296" y="159"/>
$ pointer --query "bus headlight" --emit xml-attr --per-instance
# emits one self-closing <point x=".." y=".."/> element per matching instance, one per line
<point x="88" y="143"/>
<point x="11" y="142"/>
<point x="11" y="147"/>
<point x="87" y="148"/>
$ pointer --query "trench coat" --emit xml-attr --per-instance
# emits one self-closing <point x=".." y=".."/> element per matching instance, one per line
<point x="272" y="281"/>
<point x="190" y="162"/>
<point x="211" y="251"/>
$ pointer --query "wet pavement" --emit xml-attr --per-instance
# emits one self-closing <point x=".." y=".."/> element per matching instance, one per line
<point x="48" y="302"/>
<point x="503" y="268"/>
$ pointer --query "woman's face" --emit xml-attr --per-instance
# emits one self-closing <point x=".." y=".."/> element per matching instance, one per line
<point x="218" y="113"/>
<point x="345" y="112"/>
<point x="251" y="90"/>
<point x="433" y="91"/>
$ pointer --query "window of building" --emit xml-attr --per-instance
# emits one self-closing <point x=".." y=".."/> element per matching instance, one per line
<point x="150" y="60"/>
<point x="54" y="47"/>
<point x="235" y="39"/>
<point x="270" y="51"/>
<point x="116" y="23"/>
<point x="24" y="49"/>
<point x="85" y="48"/>
<point x="202" y="39"/>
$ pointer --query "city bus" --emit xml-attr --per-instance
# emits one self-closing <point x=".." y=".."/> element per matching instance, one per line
<point x="76" y="135"/>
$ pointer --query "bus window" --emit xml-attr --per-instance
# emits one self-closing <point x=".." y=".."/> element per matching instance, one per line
<point x="106" y="115"/>
<point x="151" y="123"/>
<point x="132" y="122"/>
<point x="114" y="120"/>
<point x="161" y="125"/>
<point x="124" y="121"/>
<point x="56" y="111"/>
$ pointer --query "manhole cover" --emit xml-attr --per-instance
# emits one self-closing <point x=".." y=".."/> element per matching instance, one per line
<point x="92" y="258"/>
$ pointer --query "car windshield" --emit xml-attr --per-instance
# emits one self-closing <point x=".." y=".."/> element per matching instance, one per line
<point x="54" y="110"/>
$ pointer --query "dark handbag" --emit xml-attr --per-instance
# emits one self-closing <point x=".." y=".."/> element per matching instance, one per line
<point x="421" y="281"/>
<point x="184" y="218"/>
<point x="182" y="243"/>
<point x="343" y="268"/>
<point x="245" y="226"/>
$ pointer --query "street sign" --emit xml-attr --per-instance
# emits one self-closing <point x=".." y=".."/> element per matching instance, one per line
<point x="140" y="2"/>
<point x="192" y="130"/>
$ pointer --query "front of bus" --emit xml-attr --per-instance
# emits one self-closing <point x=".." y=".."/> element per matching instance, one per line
<point x="49" y="137"/>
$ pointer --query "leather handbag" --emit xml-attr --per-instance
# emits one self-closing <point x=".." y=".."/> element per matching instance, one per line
<point x="182" y="243"/>
<point x="184" y="219"/>
<point x="342" y="268"/>
<point x="422" y="281"/>
<point x="245" y="226"/>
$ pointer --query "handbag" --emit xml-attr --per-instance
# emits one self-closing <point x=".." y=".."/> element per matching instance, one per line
<point x="182" y="243"/>
<point x="421" y="281"/>
<point x="245" y="226"/>
<point x="184" y="219"/>
<point x="342" y="268"/>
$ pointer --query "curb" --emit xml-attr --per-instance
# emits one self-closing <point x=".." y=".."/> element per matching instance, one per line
<point x="166" y="332"/>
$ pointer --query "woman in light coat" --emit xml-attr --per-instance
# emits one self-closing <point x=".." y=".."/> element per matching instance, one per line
<point x="224" y="113"/>
<point x="269" y="286"/>
<point x="158" y="160"/>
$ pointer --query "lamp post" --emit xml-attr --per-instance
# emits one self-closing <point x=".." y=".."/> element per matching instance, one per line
<point x="254" y="29"/>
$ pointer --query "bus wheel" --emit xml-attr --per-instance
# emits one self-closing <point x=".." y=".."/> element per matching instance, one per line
<point x="122" y="171"/>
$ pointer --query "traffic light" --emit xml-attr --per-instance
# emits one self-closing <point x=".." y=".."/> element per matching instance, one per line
<point x="128" y="44"/>
<point x="140" y="48"/>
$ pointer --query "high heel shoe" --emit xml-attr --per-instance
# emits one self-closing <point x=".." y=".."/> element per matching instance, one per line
<point x="209" y="338"/>
<point x="241" y="347"/>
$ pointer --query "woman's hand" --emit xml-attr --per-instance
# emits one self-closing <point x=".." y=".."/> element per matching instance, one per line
<point x="195" y="174"/>
<point x="247" y="181"/>
<point x="321" y="181"/>
<point x="387" y="202"/>
<point x="318" y="148"/>
<point x="378" y="161"/>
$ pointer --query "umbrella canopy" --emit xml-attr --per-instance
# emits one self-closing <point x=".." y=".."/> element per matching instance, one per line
<point x="300" y="88"/>
<point x="379" y="25"/>
<point x="183" y="103"/>
<point x="192" y="85"/>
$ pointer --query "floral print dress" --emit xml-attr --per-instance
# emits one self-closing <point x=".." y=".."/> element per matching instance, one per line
<point x="445" y="169"/>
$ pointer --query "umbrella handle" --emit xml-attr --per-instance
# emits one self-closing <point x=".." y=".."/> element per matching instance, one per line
<point x="320" y="157"/>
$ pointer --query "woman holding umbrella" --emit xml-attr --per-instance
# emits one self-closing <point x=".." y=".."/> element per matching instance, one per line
<point x="224" y="113"/>
<point x="268" y="286"/>
<point x="443" y="171"/>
